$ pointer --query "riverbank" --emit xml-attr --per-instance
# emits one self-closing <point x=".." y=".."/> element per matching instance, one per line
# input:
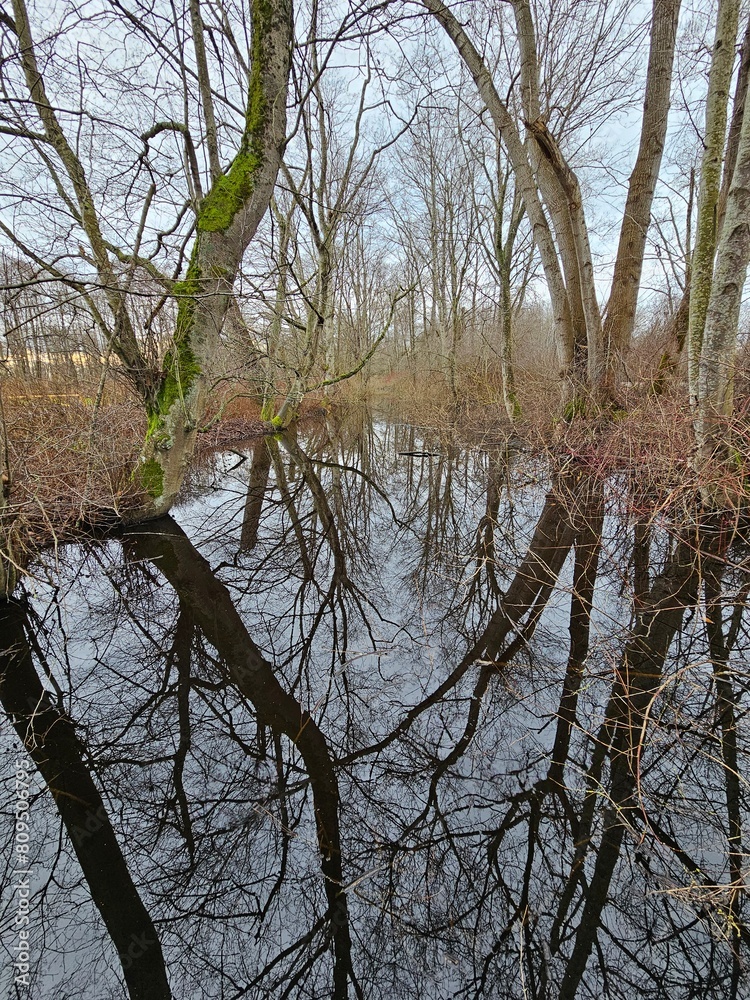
<point x="71" y="461"/>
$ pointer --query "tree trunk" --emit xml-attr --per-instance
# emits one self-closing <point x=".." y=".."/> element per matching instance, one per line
<point x="542" y="170"/>
<point x="51" y="739"/>
<point x="716" y="361"/>
<point x="705" y="237"/>
<point x="316" y="328"/>
<point x="559" y="187"/>
<point x="510" y="397"/>
<point x="227" y="221"/>
<point x="257" y="487"/>
<point x="735" y="126"/>
<point x="623" y="299"/>
<point x="213" y="612"/>
<point x="524" y="177"/>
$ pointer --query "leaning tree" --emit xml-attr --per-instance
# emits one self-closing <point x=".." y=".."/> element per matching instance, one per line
<point x="152" y="139"/>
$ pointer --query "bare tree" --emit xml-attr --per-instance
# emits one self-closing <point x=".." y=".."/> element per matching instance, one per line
<point x="717" y="100"/>
<point x="544" y="176"/>
<point x="225" y="218"/>
<point x="329" y="177"/>
<point x="715" y="384"/>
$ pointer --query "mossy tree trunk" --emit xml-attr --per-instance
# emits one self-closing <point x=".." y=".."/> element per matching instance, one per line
<point x="720" y="261"/>
<point x="227" y="220"/>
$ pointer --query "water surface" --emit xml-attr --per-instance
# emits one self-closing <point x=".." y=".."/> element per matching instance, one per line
<point x="384" y="713"/>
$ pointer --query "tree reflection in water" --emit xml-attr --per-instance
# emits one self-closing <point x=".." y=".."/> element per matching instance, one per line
<point x="386" y="716"/>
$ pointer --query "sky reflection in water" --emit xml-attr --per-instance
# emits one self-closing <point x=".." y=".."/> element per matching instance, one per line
<point x="349" y="726"/>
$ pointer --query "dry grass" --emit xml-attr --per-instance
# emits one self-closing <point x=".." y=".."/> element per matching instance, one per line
<point x="647" y="444"/>
<point x="69" y="473"/>
<point x="71" y="469"/>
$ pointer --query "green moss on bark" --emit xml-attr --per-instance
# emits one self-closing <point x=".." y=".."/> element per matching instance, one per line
<point x="181" y="367"/>
<point x="267" y="410"/>
<point x="231" y="191"/>
<point x="152" y="478"/>
<point x="514" y="405"/>
<point x="172" y="412"/>
<point x="181" y="370"/>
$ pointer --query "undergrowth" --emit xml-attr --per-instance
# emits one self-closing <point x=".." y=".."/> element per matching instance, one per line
<point x="71" y="466"/>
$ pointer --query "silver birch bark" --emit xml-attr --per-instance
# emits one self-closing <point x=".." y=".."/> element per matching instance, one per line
<point x="705" y="238"/>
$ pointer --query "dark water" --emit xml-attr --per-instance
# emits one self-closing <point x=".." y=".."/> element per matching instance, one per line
<point x="380" y="714"/>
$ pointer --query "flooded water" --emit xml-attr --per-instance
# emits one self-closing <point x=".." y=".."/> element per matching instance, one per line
<point x="380" y="713"/>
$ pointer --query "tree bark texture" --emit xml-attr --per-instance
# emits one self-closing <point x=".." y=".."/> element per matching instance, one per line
<point x="619" y="321"/>
<point x="227" y="220"/>
<point x="716" y="361"/>
<point x="705" y="238"/>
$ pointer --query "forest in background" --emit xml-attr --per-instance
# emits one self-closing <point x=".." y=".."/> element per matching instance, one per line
<point x="450" y="702"/>
<point x="523" y="212"/>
